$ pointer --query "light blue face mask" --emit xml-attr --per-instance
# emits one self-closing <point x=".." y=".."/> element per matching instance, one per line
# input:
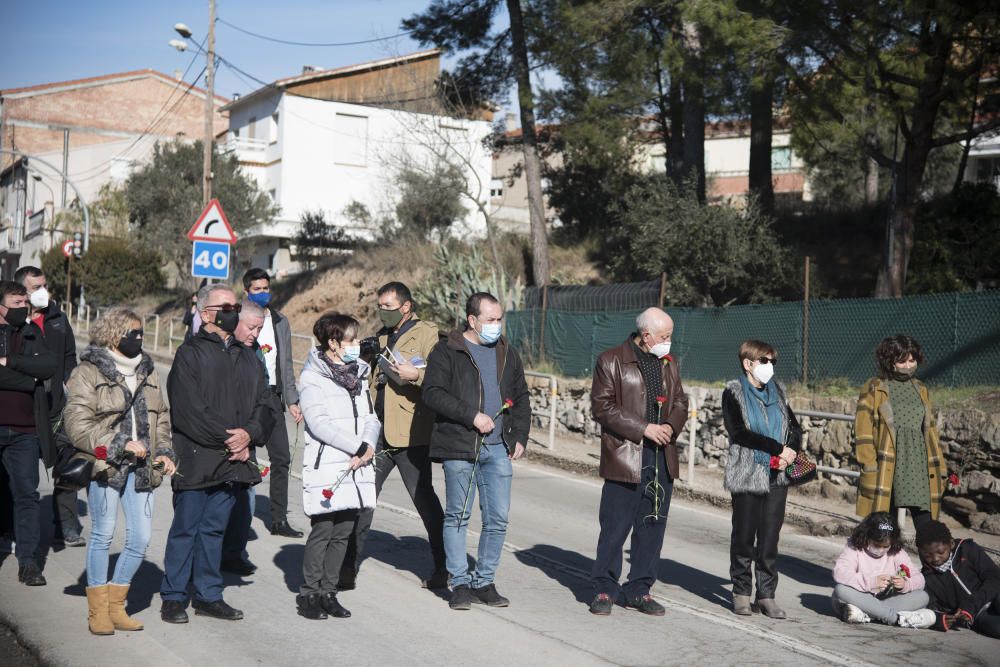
<point x="350" y="353"/>
<point x="490" y="333"/>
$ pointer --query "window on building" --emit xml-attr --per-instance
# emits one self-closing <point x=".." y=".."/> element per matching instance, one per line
<point x="496" y="188"/>
<point x="252" y="128"/>
<point x="273" y="133"/>
<point x="781" y="158"/>
<point x="352" y="140"/>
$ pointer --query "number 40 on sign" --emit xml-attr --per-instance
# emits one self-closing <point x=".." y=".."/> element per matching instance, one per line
<point x="210" y="260"/>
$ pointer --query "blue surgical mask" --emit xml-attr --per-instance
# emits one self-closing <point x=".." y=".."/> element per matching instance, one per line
<point x="490" y="333"/>
<point x="260" y="298"/>
<point x="350" y="353"/>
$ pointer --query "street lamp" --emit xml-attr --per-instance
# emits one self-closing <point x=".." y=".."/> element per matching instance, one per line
<point x="178" y="44"/>
<point x="38" y="179"/>
<point x="183" y="30"/>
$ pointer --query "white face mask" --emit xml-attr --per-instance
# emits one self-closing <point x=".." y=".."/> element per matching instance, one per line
<point x="40" y="298"/>
<point x="660" y="350"/>
<point x="764" y="373"/>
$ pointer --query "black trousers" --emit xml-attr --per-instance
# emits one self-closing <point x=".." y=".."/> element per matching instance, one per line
<point x="414" y="465"/>
<point x="280" y="456"/>
<point x="629" y="508"/>
<point x="234" y="542"/>
<point x="757" y="521"/>
<point x="325" y="550"/>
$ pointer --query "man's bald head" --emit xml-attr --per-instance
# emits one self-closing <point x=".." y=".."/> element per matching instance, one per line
<point x="654" y="321"/>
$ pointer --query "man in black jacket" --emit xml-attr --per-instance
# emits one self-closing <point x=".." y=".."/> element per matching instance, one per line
<point x="25" y="431"/>
<point x="219" y="408"/>
<point x="475" y="383"/>
<point x="58" y="333"/>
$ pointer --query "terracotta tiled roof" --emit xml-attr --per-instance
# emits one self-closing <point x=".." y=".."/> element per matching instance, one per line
<point x="104" y="78"/>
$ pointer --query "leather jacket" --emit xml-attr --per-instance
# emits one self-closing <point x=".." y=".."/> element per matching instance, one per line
<point x="618" y="400"/>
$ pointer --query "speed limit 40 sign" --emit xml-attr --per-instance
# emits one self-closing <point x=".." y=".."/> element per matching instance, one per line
<point x="210" y="259"/>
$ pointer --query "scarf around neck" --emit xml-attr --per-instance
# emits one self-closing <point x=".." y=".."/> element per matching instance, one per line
<point x="764" y="414"/>
<point x="344" y="375"/>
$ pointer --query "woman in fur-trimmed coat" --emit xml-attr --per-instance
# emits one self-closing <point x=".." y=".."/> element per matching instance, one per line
<point x="116" y="413"/>
<point x="764" y="437"/>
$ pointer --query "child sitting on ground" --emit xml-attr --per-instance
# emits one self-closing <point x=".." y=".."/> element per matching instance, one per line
<point x="876" y="580"/>
<point x="962" y="580"/>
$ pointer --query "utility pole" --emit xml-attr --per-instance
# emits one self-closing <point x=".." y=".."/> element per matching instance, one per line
<point x="209" y="105"/>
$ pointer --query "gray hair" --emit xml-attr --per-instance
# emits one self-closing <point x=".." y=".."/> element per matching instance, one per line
<point x="650" y="319"/>
<point x="208" y="289"/>
<point x="251" y="309"/>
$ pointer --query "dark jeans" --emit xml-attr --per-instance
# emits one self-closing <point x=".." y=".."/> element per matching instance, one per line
<point x="194" y="544"/>
<point x="629" y="508"/>
<point x="757" y="521"/>
<point x="988" y="620"/>
<point x="234" y="543"/>
<point x="19" y="454"/>
<point x="325" y="549"/>
<point x="65" y="515"/>
<point x="280" y="456"/>
<point x="414" y="465"/>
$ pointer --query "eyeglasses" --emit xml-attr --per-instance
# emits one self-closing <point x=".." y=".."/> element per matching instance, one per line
<point x="227" y="307"/>
<point x="767" y="360"/>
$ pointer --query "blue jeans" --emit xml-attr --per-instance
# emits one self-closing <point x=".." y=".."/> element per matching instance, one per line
<point x="19" y="454"/>
<point x="194" y="544"/>
<point x="493" y="478"/>
<point x="103" y="501"/>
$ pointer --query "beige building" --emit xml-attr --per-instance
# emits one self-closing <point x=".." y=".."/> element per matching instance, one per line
<point x="96" y="129"/>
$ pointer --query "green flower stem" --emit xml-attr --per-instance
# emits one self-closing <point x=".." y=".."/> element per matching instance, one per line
<point x="475" y="466"/>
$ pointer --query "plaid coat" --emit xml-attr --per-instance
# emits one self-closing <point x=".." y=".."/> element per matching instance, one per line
<point x="875" y="449"/>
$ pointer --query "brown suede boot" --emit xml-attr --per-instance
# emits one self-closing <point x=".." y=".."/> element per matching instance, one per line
<point x="116" y="609"/>
<point x="97" y="615"/>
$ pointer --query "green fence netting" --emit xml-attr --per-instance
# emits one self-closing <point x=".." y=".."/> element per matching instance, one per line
<point x="960" y="334"/>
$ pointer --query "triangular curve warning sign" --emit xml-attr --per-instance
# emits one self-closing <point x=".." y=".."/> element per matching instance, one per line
<point x="212" y="225"/>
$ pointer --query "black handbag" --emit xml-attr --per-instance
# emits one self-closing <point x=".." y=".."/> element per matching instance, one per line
<point x="75" y="468"/>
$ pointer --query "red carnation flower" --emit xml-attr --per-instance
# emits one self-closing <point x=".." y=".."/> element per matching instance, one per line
<point x="101" y="453"/>
<point x="953" y="480"/>
<point x="263" y="473"/>
<point x="661" y="399"/>
<point x="508" y="403"/>
<point x="667" y="358"/>
<point x="903" y="571"/>
<point x="327" y="493"/>
<point x="775" y="462"/>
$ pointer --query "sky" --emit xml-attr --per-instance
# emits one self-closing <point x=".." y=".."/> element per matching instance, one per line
<point x="58" y="40"/>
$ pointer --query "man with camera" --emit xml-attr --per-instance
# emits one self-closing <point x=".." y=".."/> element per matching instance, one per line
<point x="25" y="432"/>
<point x="403" y="344"/>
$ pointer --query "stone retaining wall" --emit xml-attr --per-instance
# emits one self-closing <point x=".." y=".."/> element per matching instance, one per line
<point x="970" y="440"/>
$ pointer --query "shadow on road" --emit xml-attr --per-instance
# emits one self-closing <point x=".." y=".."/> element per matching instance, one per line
<point x="549" y="559"/>
<point x="703" y="584"/>
<point x="408" y="554"/>
<point x="289" y="561"/>
<point x="817" y="603"/>
<point x="145" y="584"/>
<point x="804" y="572"/>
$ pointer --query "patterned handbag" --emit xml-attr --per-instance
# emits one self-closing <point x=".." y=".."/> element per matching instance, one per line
<point x="801" y="470"/>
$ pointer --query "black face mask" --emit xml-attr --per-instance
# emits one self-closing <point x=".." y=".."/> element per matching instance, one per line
<point x="130" y="344"/>
<point x="16" y="317"/>
<point x="227" y="321"/>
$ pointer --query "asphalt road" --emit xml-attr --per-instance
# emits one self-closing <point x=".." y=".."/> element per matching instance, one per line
<point x="550" y="545"/>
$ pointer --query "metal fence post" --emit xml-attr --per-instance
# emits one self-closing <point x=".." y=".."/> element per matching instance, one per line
<point x="156" y="336"/>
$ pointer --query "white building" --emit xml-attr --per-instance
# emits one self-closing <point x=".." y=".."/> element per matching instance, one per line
<point x="328" y="138"/>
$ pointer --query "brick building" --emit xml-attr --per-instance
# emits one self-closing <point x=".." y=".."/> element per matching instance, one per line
<point x="96" y="129"/>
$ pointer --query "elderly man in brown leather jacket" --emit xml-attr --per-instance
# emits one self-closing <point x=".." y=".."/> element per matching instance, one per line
<point x="638" y="400"/>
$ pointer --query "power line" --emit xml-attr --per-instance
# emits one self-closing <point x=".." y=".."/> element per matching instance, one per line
<point x="294" y="43"/>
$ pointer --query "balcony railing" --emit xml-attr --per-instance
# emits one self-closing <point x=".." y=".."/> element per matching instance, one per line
<point x="243" y="146"/>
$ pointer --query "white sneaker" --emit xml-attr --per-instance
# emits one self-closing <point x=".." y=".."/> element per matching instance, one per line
<point x="852" y="614"/>
<point x="921" y="618"/>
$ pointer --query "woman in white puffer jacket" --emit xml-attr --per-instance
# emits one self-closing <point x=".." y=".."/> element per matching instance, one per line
<point x="338" y="478"/>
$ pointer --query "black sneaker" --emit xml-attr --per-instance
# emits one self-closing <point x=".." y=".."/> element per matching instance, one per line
<point x="240" y="566"/>
<point x="282" y="529"/>
<point x="647" y="605"/>
<point x="437" y="580"/>
<point x="461" y="598"/>
<point x="602" y="605"/>
<point x="217" y="609"/>
<point x="74" y="541"/>
<point x="488" y="595"/>
<point x="309" y="606"/>
<point x="29" y="574"/>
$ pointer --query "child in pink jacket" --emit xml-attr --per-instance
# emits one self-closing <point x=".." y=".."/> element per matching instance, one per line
<point x="875" y="578"/>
